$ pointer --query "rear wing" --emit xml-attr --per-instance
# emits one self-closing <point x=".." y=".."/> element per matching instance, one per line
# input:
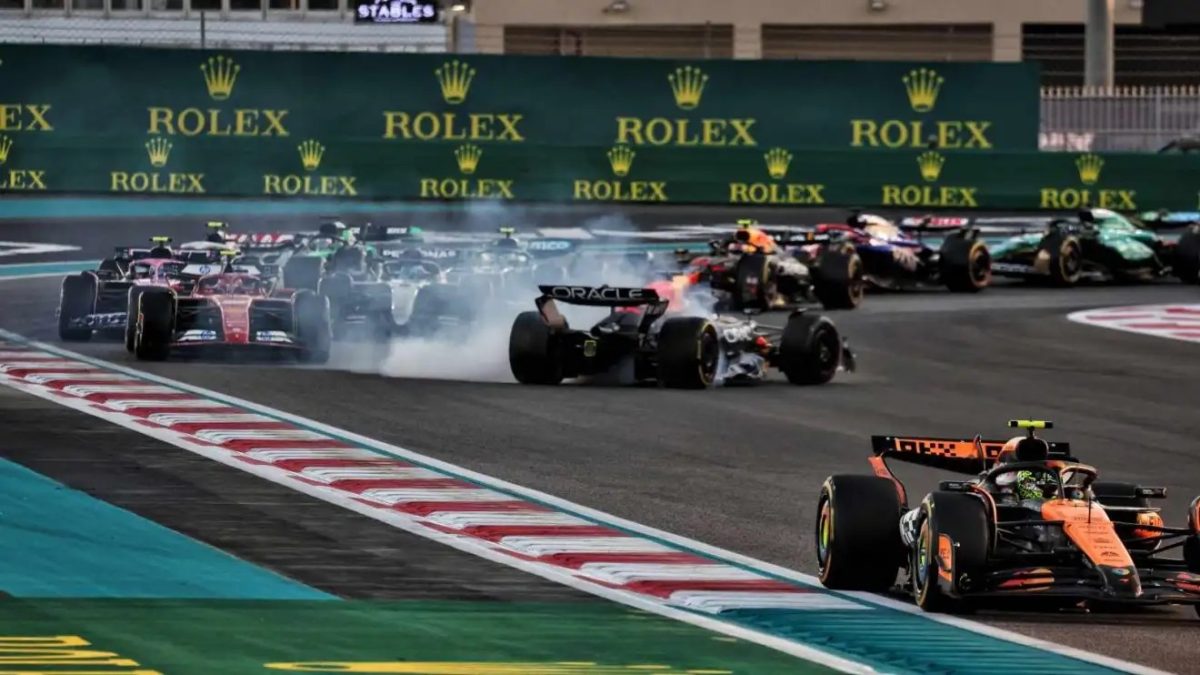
<point x="1164" y="220"/>
<point x="968" y="456"/>
<point x="935" y="223"/>
<point x="601" y="296"/>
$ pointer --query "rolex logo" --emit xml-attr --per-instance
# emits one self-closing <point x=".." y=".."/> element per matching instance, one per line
<point x="778" y="161"/>
<point x="220" y="72"/>
<point x="310" y="154"/>
<point x="159" y="150"/>
<point x="467" y="157"/>
<point x="620" y="157"/>
<point x="1089" y="166"/>
<point x="5" y="148"/>
<point x="687" y="84"/>
<point x="931" y="163"/>
<point x="922" y="86"/>
<point x="455" y="79"/>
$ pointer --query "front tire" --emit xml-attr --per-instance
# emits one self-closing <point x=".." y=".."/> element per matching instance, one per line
<point x="533" y="354"/>
<point x="810" y="350"/>
<point x="858" y="533"/>
<point x="839" y="281"/>
<point x="1186" y="265"/>
<point x="310" y="318"/>
<point x="965" y="265"/>
<point x="303" y="271"/>
<point x="77" y="300"/>
<point x="1065" y="256"/>
<point x="131" y="315"/>
<point x="155" y="324"/>
<point x="954" y="524"/>
<point x="689" y="352"/>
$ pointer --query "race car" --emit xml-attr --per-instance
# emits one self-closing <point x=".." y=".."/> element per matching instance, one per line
<point x="231" y="311"/>
<point x="331" y="247"/>
<point x="674" y="350"/>
<point x="98" y="300"/>
<point x="894" y="259"/>
<point x="1098" y="245"/>
<point x="1032" y="525"/>
<point x="762" y="269"/>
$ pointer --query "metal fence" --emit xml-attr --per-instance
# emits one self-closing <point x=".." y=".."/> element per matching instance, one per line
<point x="1119" y="119"/>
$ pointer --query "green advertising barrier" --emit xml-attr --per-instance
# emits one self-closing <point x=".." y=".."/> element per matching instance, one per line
<point x="389" y="126"/>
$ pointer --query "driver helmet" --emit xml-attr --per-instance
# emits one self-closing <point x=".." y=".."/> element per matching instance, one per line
<point x="879" y="227"/>
<point x="1028" y="485"/>
<point x="160" y="248"/>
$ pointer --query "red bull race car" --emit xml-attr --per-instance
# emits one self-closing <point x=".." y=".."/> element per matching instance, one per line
<point x="231" y="312"/>
<point x="1032" y="526"/>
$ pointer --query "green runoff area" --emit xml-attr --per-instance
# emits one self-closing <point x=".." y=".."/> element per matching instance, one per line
<point x="452" y="128"/>
<point x="147" y="637"/>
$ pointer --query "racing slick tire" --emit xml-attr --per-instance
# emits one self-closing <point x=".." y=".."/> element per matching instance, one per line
<point x="303" y="271"/>
<point x="155" y="324"/>
<point x="810" y="350"/>
<point x="310" y="317"/>
<point x="752" y="283"/>
<point x="437" y="307"/>
<point x="965" y="265"/>
<point x="964" y="520"/>
<point x="838" y="279"/>
<point x="131" y="310"/>
<point x="858" y="534"/>
<point x="1186" y="265"/>
<point x="77" y="299"/>
<point x="689" y="352"/>
<point x="1066" y="258"/>
<point x="348" y="259"/>
<point x="533" y="353"/>
<point x="336" y="288"/>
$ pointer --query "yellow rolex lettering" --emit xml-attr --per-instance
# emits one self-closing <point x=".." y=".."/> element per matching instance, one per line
<point x="274" y="120"/>
<point x="864" y="132"/>
<point x="629" y="131"/>
<point x="429" y="188"/>
<point x="739" y="193"/>
<point x="659" y="131"/>
<point x="682" y="132"/>
<point x="215" y="127"/>
<point x="1119" y="200"/>
<point x="190" y="121"/>
<point x="929" y="195"/>
<point x="713" y="131"/>
<point x="776" y="193"/>
<point x="245" y="123"/>
<point x="481" y="127"/>
<point x="119" y="182"/>
<point x="425" y="126"/>
<point x="582" y="190"/>
<point x="9" y="117"/>
<point x="448" y="123"/>
<point x="891" y="195"/>
<point x="1050" y="199"/>
<point x="509" y="132"/>
<point x="161" y="121"/>
<point x="947" y="135"/>
<point x="37" y="118"/>
<point x="978" y="138"/>
<point x="395" y="123"/>
<point x="741" y="131"/>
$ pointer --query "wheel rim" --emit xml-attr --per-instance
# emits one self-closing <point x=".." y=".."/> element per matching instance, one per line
<point x="857" y="285"/>
<point x="922" y="571"/>
<point x="827" y="350"/>
<point x="981" y="267"/>
<point x="824" y="533"/>
<point x="1069" y="260"/>
<point x="710" y="354"/>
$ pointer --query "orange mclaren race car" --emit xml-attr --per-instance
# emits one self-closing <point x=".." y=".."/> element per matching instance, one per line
<point x="1034" y="525"/>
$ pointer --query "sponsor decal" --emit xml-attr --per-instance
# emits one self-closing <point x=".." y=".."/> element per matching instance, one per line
<point x="396" y="11"/>
<point x="158" y="154"/>
<point x="25" y="117"/>
<point x="549" y="245"/>
<point x="35" y="654"/>
<point x="220" y="76"/>
<point x="107" y="320"/>
<point x="197" y="335"/>
<point x="277" y="336"/>
<point x="776" y="190"/>
<point x="1089" y="167"/>
<point x="922" y="87"/>
<point x="309" y="182"/>
<point x="930" y="164"/>
<point x="18" y="179"/>
<point x="454" y="80"/>
<point x="601" y="293"/>
<point x="619" y="188"/>
<point x="687" y="84"/>
<point x="467" y="158"/>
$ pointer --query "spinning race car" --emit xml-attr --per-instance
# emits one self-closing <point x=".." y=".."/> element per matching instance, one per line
<point x="230" y="311"/>
<point x="684" y="352"/>
<point x="1032" y="526"/>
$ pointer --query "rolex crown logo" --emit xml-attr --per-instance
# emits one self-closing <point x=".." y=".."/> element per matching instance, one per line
<point x="158" y="149"/>
<point x="5" y="148"/>
<point x="455" y="79"/>
<point x="687" y="84"/>
<point x="922" y="86"/>
<point x="1089" y="166"/>
<point x="220" y="72"/>
<point x="620" y="157"/>
<point x="778" y="161"/>
<point x="931" y="163"/>
<point x="310" y="154"/>
<point x="467" y="157"/>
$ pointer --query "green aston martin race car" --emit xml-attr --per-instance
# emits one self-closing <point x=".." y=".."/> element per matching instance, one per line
<point x="1097" y="245"/>
<point x="333" y="245"/>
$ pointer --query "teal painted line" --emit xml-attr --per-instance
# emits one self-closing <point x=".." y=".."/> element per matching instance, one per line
<point x="47" y="268"/>
<point x="117" y="207"/>
<point x="56" y="542"/>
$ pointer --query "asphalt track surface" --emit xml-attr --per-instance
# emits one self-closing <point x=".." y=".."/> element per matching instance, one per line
<point x="737" y="468"/>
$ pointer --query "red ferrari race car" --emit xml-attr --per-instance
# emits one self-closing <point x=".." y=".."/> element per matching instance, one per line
<point x="231" y="311"/>
<point x="1032" y="527"/>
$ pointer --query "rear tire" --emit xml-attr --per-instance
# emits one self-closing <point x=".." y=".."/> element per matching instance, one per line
<point x="533" y="353"/>
<point x="810" y="350"/>
<point x="964" y="520"/>
<point x="155" y="324"/>
<point x="1186" y="265"/>
<point x="965" y="265"/>
<point x="752" y="283"/>
<point x="838" y="280"/>
<point x="310" y="318"/>
<point x="303" y="271"/>
<point x="858" y="533"/>
<point x="1066" y="258"/>
<point x="77" y="300"/>
<point x="689" y="352"/>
